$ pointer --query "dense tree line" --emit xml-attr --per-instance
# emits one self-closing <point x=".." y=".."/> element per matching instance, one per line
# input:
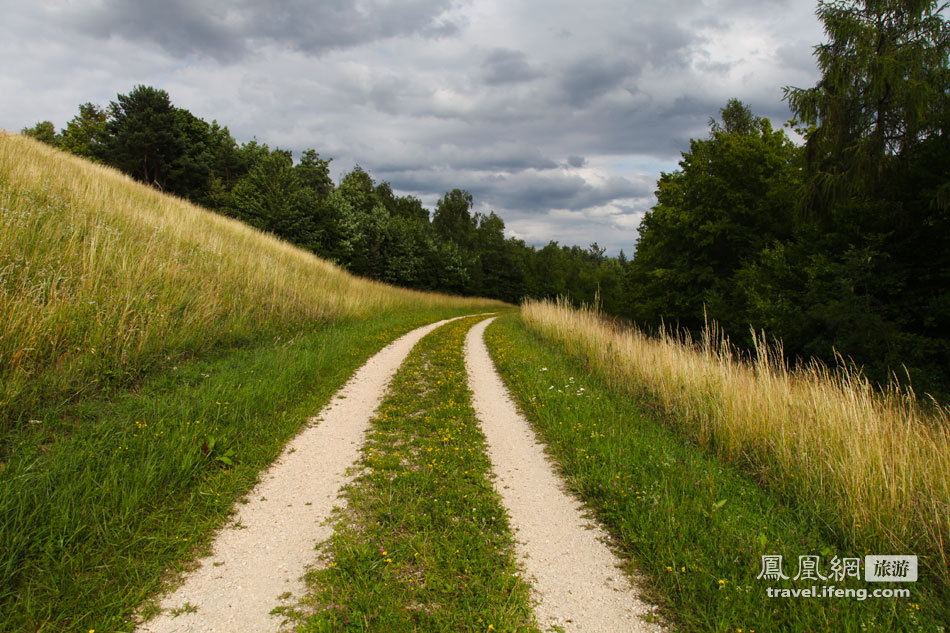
<point x="358" y="223"/>
<point x="838" y="247"/>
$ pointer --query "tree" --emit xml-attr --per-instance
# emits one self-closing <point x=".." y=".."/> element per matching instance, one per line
<point x="453" y="220"/>
<point x="337" y="228"/>
<point x="249" y="155"/>
<point x="410" y="207"/>
<point x="269" y="198"/>
<point x="731" y="198"/>
<point x="190" y="173"/>
<point x="401" y="252"/>
<point x="494" y="271"/>
<point x="43" y="131"/>
<point x="359" y="190"/>
<point x="145" y="135"/>
<point x="85" y="134"/>
<point x="883" y="90"/>
<point x="868" y="272"/>
<point x="227" y="167"/>
<point x="547" y="276"/>
<point x="737" y="118"/>
<point x="313" y="172"/>
<point x="446" y="267"/>
<point x="596" y="252"/>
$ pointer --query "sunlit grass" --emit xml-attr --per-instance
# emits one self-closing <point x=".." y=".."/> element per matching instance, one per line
<point x="877" y="465"/>
<point x="92" y="520"/>
<point x="693" y="525"/>
<point x="102" y="277"/>
<point x="423" y="543"/>
<point x="154" y="357"/>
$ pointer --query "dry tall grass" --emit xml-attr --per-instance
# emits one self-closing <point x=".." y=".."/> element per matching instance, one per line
<point x="873" y="462"/>
<point x="100" y="275"/>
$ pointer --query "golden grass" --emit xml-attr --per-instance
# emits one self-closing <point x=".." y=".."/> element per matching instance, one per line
<point x="100" y="275"/>
<point x="874" y="462"/>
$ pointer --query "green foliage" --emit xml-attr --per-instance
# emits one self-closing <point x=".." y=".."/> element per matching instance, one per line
<point x="189" y="175"/>
<point x="860" y="272"/>
<point x="337" y="228"/>
<point x="43" y="131"/>
<point x="314" y="173"/>
<point x="359" y="224"/>
<point x="85" y="134"/>
<point x="271" y="198"/>
<point x="883" y="91"/>
<point x="871" y="248"/>
<point x="737" y="118"/>
<point x="500" y="265"/>
<point x="452" y="220"/>
<point x="730" y="199"/>
<point x="145" y="135"/>
<point x="402" y="264"/>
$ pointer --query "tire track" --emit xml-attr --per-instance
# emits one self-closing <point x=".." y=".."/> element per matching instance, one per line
<point x="576" y="578"/>
<point x="258" y="561"/>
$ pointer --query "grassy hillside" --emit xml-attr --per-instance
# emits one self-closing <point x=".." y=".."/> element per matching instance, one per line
<point x="694" y="525"/>
<point x="875" y="466"/>
<point x="154" y="357"/>
<point x="102" y="278"/>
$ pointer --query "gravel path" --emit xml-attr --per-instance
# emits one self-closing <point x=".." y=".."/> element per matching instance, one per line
<point x="575" y="576"/>
<point x="264" y="554"/>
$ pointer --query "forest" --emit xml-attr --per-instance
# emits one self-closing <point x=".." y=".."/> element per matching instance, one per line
<point x="839" y="246"/>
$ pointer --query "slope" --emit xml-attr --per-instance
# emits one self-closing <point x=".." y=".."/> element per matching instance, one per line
<point x="102" y="278"/>
<point x="154" y="358"/>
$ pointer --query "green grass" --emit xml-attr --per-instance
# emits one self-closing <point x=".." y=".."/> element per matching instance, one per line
<point x="824" y="439"/>
<point x="103" y="500"/>
<point x="423" y="543"/>
<point x="696" y="527"/>
<point x="104" y="280"/>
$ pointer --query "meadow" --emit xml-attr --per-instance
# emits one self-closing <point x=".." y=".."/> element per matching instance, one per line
<point x="154" y="358"/>
<point x="103" y="279"/>
<point x="871" y="467"/>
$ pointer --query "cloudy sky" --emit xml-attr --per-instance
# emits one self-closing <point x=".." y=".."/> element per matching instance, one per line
<point x="559" y="115"/>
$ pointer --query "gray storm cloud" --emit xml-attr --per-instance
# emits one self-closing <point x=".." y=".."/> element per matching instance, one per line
<point x="560" y="115"/>
<point x="228" y="31"/>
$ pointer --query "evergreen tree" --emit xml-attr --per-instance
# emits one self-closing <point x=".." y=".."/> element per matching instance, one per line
<point x="868" y="273"/>
<point x="145" y="136"/>
<point x="883" y="90"/>
<point x="269" y="198"/>
<point x="313" y="173"/>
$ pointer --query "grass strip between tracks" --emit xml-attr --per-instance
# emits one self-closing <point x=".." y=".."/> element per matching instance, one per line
<point x="103" y="501"/>
<point x="423" y="543"/>
<point x="697" y="528"/>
